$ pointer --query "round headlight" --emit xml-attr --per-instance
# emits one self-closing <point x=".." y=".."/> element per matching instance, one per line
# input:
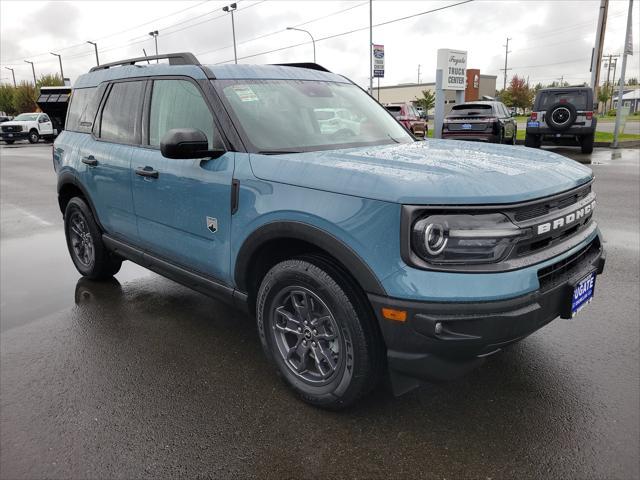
<point x="435" y="239"/>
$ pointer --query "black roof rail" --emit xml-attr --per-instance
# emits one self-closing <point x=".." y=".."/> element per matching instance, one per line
<point x="310" y="66"/>
<point x="184" y="58"/>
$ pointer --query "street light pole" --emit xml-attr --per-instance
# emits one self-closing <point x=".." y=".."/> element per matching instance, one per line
<point x="60" y="59"/>
<point x="231" y="8"/>
<point x="34" y="72"/>
<point x="313" y="40"/>
<point x="12" y="74"/>
<point x="95" y="46"/>
<point x="628" y="50"/>
<point x="154" y="34"/>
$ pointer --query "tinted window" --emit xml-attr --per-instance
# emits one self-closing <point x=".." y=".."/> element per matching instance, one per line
<point x="396" y="111"/>
<point x="472" y="109"/>
<point x="178" y="104"/>
<point x="120" y="114"/>
<point x="577" y="98"/>
<point x="82" y="110"/>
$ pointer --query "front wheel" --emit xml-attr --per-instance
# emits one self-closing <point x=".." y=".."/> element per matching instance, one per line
<point x="316" y="332"/>
<point x="514" y="136"/>
<point x="84" y="241"/>
<point x="34" y="136"/>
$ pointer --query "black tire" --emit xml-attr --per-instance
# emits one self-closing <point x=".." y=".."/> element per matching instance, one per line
<point x="353" y="356"/>
<point x="501" y="136"/>
<point x="34" y="136"/>
<point x="586" y="143"/>
<point x="514" y="136"/>
<point x="531" y="141"/>
<point x="9" y="142"/>
<point x="561" y="116"/>
<point x="84" y="241"/>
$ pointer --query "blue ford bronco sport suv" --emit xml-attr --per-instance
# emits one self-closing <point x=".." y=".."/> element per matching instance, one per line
<point x="360" y="250"/>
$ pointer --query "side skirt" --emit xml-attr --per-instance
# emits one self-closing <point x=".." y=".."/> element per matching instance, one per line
<point x="203" y="284"/>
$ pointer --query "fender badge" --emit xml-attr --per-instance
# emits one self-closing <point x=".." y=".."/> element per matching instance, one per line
<point x="212" y="224"/>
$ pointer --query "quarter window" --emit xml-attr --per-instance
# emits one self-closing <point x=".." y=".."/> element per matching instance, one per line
<point x="178" y="104"/>
<point x="120" y="114"/>
<point x="82" y="110"/>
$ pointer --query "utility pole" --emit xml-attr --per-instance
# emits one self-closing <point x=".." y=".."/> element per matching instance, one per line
<point x="95" y="46"/>
<point x="231" y="8"/>
<point x="14" y="76"/>
<point x="60" y="59"/>
<point x="418" y="74"/>
<point x="596" y="57"/>
<point x="506" y="56"/>
<point x="613" y="82"/>
<point x="34" y="72"/>
<point x="371" y="47"/>
<point x="628" y="50"/>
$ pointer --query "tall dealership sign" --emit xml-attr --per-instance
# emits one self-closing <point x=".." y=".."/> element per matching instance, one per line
<point x="378" y="60"/>
<point x="451" y="74"/>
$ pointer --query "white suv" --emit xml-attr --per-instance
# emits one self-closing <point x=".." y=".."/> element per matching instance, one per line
<point x="27" y="126"/>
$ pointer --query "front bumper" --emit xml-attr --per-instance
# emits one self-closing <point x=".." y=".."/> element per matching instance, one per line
<point x="444" y="340"/>
<point x="14" y="135"/>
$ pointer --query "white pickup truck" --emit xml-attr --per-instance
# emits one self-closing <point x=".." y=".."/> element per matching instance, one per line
<point x="29" y="126"/>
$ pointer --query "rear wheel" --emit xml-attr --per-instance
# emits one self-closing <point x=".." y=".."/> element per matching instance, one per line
<point x="315" y="330"/>
<point x="586" y="143"/>
<point x="84" y="241"/>
<point x="34" y="136"/>
<point x="532" y="141"/>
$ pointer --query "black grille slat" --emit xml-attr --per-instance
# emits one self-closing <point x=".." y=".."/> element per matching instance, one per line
<point x="550" y="276"/>
<point x="547" y="206"/>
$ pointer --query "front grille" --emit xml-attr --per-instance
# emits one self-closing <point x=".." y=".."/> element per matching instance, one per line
<point x="547" y="206"/>
<point x="560" y="271"/>
<point x="11" y="128"/>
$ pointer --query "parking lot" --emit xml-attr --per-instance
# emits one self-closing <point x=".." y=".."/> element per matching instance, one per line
<point x="141" y="377"/>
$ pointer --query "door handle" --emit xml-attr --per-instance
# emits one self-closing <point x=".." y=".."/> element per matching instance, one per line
<point x="147" y="172"/>
<point x="90" y="160"/>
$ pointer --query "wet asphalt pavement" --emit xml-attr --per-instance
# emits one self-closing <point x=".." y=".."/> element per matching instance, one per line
<point x="141" y="377"/>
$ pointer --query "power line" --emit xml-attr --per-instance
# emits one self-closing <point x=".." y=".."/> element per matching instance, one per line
<point x="116" y="33"/>
<point x="351" y="31"/>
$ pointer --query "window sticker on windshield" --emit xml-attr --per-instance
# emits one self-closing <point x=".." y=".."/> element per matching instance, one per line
<point x="245" y="93"/>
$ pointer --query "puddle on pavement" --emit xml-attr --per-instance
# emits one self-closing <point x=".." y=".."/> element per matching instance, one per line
<point x="38" y="278"/>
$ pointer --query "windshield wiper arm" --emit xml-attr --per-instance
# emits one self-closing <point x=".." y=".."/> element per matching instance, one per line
<point x="276" y="152"/>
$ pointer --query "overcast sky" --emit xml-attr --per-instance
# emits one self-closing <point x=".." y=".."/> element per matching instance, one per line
<point x="550" y="39"/>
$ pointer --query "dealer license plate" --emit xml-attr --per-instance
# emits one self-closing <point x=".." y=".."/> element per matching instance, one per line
<point x="583" y="293"/>
<point x="466" y="126"/>
<point x="533" y="124"/>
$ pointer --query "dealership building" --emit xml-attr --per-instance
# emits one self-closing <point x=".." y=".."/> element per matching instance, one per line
<point x="477" y="86"/>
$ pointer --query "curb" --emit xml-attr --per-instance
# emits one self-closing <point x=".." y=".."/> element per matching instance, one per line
<point x="622" y="144"/>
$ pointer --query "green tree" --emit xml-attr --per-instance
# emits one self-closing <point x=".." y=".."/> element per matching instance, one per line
<point x="632" y="81"/>
<point x="49" y="80"/>
<point x="518" y="93"/>
<point x="24" y="98"/>
<point x="6" y="99"/>
<point x="428" y="100"/>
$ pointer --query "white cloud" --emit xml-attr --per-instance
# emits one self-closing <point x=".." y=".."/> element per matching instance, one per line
<point x="550" y="39"/>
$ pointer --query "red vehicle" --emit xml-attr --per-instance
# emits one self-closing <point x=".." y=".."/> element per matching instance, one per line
<point x="409" y="117"/>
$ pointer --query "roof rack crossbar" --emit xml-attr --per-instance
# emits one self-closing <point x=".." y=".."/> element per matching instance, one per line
<point x="309" y="65"/>
<point x="184" y="58"/>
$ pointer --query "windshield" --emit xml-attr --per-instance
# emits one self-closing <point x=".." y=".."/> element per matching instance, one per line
<point x="280" y="116"/>
<point x="27" y="117"/>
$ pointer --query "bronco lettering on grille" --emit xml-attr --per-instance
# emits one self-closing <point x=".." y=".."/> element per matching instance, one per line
<point x="566" y="219"/>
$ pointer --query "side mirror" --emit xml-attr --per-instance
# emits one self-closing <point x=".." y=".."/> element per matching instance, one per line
<point x="186" y="143"/>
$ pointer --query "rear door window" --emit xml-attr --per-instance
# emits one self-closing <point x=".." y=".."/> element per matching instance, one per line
<point x="577" y="98"/>
<point x="394" y="110"/>
<point x="120" y="121"/>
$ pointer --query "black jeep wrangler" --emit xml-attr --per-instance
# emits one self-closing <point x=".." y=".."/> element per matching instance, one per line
<point x="563" y="116"/>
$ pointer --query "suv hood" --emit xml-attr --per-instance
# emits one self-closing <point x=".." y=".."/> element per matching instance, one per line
<point x="428" y="172"/>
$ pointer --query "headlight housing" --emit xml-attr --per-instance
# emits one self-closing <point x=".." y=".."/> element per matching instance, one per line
<point x="464" y="238"/>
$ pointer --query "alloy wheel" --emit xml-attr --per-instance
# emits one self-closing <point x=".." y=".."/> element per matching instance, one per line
<point x="81" y="239"/>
